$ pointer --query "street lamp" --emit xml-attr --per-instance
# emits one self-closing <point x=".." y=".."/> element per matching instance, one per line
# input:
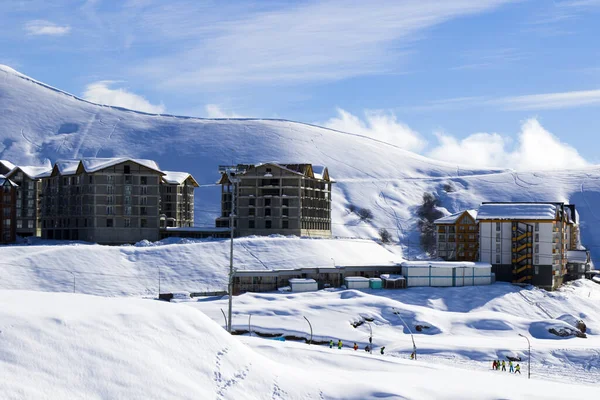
<point x="158" y="280"/>
<point x="409" y="331"/>
<point x="311" y="330"/>
<point x="528" y="357"/>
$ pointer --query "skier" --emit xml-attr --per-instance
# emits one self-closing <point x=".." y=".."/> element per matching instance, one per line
<point x="382" y="349"/>
<point x="367" y="349"/>
<point x="497" y="365"/>
<point x="355" y="346"/>
<point x="518" y="369"/>
<point x="494" y="365"/>
<point x="412" y="355"/>
<point x="503" y="366"/>
<point x="511" y="368"/>
<point x="340" y="344"/>
<point x="331" y="344"/>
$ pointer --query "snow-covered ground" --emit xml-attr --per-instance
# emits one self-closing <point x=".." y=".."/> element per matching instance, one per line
<point x="188" y="265"/>
<point x="468" y="327"/>
<point x="39" y="124"/>
<point x="66" y="346"/>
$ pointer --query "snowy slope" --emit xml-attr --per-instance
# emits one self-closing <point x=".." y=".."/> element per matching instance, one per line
<point x="194" y="266"/>
<point x="66" y="346"/>
<point x="468" y="326"/>
<point x="39" y="123"/>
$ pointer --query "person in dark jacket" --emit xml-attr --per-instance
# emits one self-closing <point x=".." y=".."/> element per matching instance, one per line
<point x="355" y="347"/>
<point x="382" y="349"/>
<point x="494" y="365"/>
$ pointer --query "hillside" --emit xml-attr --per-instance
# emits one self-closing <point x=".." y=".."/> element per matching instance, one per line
<point x="39" y="124"/>
<point x="60" y="345"/>
<point x="191" y="265"/>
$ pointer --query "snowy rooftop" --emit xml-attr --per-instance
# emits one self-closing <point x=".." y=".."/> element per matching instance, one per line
<point x="177" y="178"/>
<point x="541" y="211"/>
<point x="302" y="281"/>
<point x="3" y="179"/>
<point x="31" y="171"/>
<point x="577" y="256"/>
<point x="445" y="264"/>
<point x="391" y="277"/>
<point x="7" y="164"/>
<point x="196" y="229"/>
<point x="452" y="218"/>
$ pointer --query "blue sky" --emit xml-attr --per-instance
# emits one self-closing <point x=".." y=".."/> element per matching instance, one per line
<point x="515" y="82"/>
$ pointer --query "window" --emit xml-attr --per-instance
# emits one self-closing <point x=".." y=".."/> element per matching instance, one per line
<point x="110" y="200"/>
<point x="251" y="224"/>
<point x="110" y="179"/>
<point x="30" y="224"/>
<point x="109" y="210"/>
<point x="497" y="247"/>
<point x="536" y="260"/>
<point x="537" y="237"/>
<point x="268" y="170"/>
<point x="143" y="223"/>
<point x="536" y="270"/>
<point x="127" y="169"/>
<point x="144" y="190"/>
<point x="497" y="258"/>
<point x="284" y="224"/>
<point x="128" y="200"/>
<point x="285" y="212"/>
<point x="267" y="212"/>
<point x="252" y="202"/>
<point x="90" y="179"/>
<point x="19" y="223"/>
<point x="537" y="226"/>
<point x="109" y="223"/>
<point x="267" y="202"/>
<point x="127" y="190"/>
<point x="497" y="226"/>
<point x="143" y="211"/>
<point x="110" y="189"/>
<point x="268" y="224"/>
<point x="497" y="237"/>
<point x="144" y="201"/>
<point x="285" y="202"/>
<point x="251" y="211"/>
<point x="144" y="180"/>
<point x="127" y="222"/>
<point x="128" y="180"/>
<point x="536" y="249"/>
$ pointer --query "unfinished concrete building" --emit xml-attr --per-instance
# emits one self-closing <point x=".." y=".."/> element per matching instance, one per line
<point x="272" y="198"/>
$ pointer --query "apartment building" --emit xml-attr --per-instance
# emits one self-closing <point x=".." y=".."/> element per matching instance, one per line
<point x="272" y="198"/>
<point x="8" y="207"/>
<point x="527" y="242"/>
<point x="28" y="179"/>
<point x="177" y="199"/>
<point x="102" y="200"/>
<point x="457" y="236"/>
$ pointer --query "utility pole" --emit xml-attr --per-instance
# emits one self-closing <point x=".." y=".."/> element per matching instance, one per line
<point x="528" y="357"/>
<point x="231" y="175"/>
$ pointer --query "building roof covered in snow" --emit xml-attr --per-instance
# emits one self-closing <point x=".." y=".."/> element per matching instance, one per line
<point x="452" y="218"/>
<point x="302" y="169"/>
<point x="445" y="264"/>
<point x="31" y="171"/>
<point x="577" y="256"/>
<point x="7" y="164"/>
<point x="5" y="181"/>
<point x="178" y="178"/>
<point x="517" y="211"/>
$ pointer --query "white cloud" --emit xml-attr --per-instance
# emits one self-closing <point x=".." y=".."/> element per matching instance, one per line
<point x="215" y="111"/>
<point x="552" y="100"/>
<point x="536" y="148"/>
<point x="41" y="27"/>
<point x="378" y="125"/>
<point x="290" y="42"/>
<point x="101" y="93"/>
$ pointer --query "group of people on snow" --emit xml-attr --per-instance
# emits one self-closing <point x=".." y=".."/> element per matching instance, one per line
<point x="368" y="348"/>
<point x="497" y="365"/>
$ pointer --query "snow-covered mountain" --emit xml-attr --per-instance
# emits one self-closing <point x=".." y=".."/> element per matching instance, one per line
<point x="40" y="124"/>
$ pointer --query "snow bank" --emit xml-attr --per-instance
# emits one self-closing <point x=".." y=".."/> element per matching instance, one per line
<point x="62" y="346"/>
<point x="187" y="265"/>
